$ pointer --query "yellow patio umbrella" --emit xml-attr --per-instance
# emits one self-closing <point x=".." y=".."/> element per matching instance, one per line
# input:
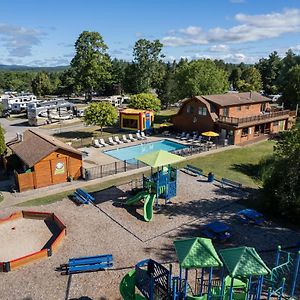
<point x="210" y="134"/>
<point x="166" y="124"/>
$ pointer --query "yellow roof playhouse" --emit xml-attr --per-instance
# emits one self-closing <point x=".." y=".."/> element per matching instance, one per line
<point x="136" y="119"/>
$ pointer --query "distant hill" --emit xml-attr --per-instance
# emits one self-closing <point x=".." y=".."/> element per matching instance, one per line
<point x="36" y="69"/>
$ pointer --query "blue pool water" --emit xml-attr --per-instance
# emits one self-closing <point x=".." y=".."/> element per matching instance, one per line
<point x="130" y="153"/>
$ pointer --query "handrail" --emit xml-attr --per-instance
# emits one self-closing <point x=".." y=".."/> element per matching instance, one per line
<point x="234" y="120"/>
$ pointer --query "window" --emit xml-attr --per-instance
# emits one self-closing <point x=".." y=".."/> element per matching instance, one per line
<point x="225" y="111"/>
<point x="202" y="111"/>
<point x="276" y="123"/>
<point x="247" y="106"/>
<point x="238" y="108"/>
<point x="245" y="131"/>
<point x="189" y="109"/>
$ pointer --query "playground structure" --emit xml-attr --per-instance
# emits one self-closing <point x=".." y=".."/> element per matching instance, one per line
<point x="58" y="232"/>
<point x="87" y="264"/>
<point x="135" y="119"/>
<point x="161" y="184"/>
<point x="237" y="274"/>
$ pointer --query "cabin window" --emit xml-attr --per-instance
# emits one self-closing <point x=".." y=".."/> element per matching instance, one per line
<point x="276" y="123"/>
<point x="202" y="111"/>
<point x="245" y="131"/>
<point x="225" y="111"/>
<point x="188" y="108"/>
<point x="247" y="106"/>
<point x="238" y="108"/>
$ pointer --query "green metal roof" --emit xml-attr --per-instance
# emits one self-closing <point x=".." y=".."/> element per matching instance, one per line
<point x="197" y="253"/>
<point x="243" y="262"/>
<point x="160" y="158"/>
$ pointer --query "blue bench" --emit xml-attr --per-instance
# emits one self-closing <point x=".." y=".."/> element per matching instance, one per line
<point x="88" y="264"/>
<point x="217" y="231"/>
<point x="194" y="170"/>
<point x="248" y="216"/>
<point x="225" y="181"/>
<point x="82" y="196"/>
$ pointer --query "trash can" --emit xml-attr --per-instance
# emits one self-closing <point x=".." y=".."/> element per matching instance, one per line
<point x="210" y="177"/>
<point x="225" y="142"/>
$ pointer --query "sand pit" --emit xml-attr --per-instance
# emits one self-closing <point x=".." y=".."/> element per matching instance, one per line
<point x="21" y="237"/>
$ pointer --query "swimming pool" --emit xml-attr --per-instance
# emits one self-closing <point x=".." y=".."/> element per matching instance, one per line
<point x="130" y="153"/>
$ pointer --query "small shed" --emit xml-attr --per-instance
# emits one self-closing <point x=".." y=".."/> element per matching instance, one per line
<point x="135" y="119"/>
<point x="43" y="160"/>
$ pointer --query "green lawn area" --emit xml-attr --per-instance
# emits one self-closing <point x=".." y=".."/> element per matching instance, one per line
<point x="164" y="116"/>
<point x="240" y="165"/>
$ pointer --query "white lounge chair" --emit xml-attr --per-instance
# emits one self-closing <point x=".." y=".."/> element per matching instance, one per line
<point x="97" y="144"/>
<point x="124" y="139"/>
<point x="166" y="133"/>
<point x="118" y="140"/>
<point x="143" y="136"/>
<point x="131" y="137"/>
<point x="179" y="136"/>
<point x="101" y="141"/>
<point x="138" y="136"/>
<point x="192" y="139"/>
<point x="185" y="138"/>
<point x="111" y="141"/>
<point x="198" y="140"/>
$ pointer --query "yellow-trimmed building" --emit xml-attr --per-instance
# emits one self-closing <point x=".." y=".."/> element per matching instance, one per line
<point x="136" y="119"/>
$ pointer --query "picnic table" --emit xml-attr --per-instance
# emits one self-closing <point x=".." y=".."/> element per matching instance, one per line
<point x="217" y="230"/>
<point x="248" y="215"/>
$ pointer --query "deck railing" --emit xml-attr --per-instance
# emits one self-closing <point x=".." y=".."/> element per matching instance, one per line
<point x="265" y="116"/>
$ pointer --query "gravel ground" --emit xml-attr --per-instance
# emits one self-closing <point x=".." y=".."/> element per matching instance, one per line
<point x="111" y="228"/>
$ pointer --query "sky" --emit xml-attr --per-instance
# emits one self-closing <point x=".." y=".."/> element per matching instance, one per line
<point x="43" y="32"/>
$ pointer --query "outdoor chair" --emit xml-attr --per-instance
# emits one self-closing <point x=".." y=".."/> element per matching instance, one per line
<point x="118" y="140"/>
<point x="101" y="141"/>
<point x="192" y="139"/>
<point x="179" y="136"/>
<point x="143" y="136"/>
<point x="138" y="136"/>
<point x="124" y="139"/>
<point x="111" y="141"/>
<point x="166" y="133"/>
<point x="131" y="137"/>
<point x="97" y="144"/>
<point x="198" y="140"/>
<point x="185" y="137"/>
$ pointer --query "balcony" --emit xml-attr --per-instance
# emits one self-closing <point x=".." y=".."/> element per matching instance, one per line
<point x="258" y="119"/>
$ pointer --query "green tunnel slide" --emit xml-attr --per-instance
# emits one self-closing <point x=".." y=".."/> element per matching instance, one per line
<point x="148" y="203"/>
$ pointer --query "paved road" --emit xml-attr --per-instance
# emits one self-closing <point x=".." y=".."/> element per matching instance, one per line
<point x="20" y="125"/>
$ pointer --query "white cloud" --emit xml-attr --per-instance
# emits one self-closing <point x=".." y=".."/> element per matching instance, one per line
<point x="251" y="28"/>
<point x="296" y="48"/>
<point x="18" y="41"/>
<point x="219" y="48"/>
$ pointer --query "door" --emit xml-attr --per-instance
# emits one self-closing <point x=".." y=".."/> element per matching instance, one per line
<point x="59" y="170"/>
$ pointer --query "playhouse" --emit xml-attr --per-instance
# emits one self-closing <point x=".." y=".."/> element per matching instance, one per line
<point x="135" y="119"/>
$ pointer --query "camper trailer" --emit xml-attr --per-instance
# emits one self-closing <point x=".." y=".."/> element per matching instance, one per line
<point x="17" y="103"/>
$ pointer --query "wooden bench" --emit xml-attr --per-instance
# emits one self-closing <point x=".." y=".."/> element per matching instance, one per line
<point x="225" y="181"/>
<point x="82" y="196"/>
<point x="194" y="170"/>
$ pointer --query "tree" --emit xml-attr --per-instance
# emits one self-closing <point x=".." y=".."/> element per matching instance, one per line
<point x="281" y="181"/>
<point x="100" y="114"/>
<point x="234" y="77"/>
<point x="145" y="101"/>
<point x="91" y="63"/>
<point x="291" y="91"/>
<point x="1" y="109"/>
<point x="2" y="142"/>
<point x="200" y="77"/>
<point x="68" y="85"/>
<point x="147" y="58"/>
<point x="41" y="84"/>
<point x="250" y="80"/>
<point x="270" y="70"/>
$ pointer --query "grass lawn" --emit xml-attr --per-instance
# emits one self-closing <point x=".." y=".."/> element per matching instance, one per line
<point x="164" y="116"/>
<point x="240" y="165"/>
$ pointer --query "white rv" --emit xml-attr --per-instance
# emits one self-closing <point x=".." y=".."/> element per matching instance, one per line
<point x="18" y="103"/>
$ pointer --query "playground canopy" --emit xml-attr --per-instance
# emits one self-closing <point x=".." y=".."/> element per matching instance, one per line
<point x="210" y="133"/>
<point x="243" y="262"/>
<point x="160" y="158"/>
<point x="197" y="253"/>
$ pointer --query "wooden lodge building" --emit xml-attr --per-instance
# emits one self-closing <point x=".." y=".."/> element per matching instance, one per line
<point x="238" y="117"/>
<point x="43" y="160"/>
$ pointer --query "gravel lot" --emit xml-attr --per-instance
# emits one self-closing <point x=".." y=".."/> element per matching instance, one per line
<point x="111" y="228"/>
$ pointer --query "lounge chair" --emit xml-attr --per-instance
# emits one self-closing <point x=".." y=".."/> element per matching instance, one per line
<point x="180" y="135"/>
<point x="111" y="141"/>
<point x="118" y="140"/>
<point x="131" y="137"/>
<point x="192" y="139"/>
<point x="185" y="138"/>
<point x="101" y="141"/>
<point x="97" y="144"/>
<point x="198" y="140"/>
<point x="138" y="136"/>
<point x="166" y="133"/>
<point x="143" y="136"/>
<point x="124" y="139"/>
